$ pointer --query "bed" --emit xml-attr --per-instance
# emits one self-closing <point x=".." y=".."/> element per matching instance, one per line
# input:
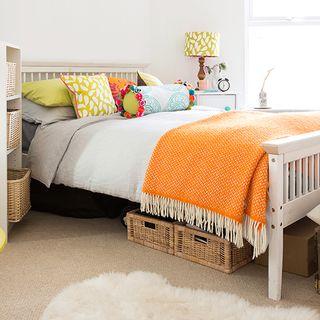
<point x="64" y="160"/>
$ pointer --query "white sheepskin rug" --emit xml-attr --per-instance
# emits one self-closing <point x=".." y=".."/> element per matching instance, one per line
<point x="142" y="296"/>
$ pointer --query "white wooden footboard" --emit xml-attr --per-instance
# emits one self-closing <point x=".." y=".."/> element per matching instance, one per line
<point x="294" y="189"/>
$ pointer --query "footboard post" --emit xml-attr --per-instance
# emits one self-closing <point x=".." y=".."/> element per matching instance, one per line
<point x="294" y="190"/>
<point x="276" y="222"/>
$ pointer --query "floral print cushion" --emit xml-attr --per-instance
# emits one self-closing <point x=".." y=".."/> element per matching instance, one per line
<point x="116" y="84"/>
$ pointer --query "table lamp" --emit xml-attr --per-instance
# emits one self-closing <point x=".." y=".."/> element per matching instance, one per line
<point x="202" y="45"/>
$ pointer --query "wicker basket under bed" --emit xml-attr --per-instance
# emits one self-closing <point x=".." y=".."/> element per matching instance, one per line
<point x="11" y="79"/>
<point x="150" y="232"/>
<point x="188" y="243"/>
<point x="18" y="194"/>
<point x="210" y="250"/>
<point x="14" y="128"/>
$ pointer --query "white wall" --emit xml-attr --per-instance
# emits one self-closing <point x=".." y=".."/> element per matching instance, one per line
<point x="172" y="18"/>
<point x="77" y="30"/>
<point x="126" y="31"/>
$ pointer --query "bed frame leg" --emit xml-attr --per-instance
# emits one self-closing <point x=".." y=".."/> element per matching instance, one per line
<point x="276" y="220"/>
<point x="275" y="262"/>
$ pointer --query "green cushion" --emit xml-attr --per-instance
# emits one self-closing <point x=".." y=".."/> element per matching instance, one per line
<point x="145" y="79"/>
<point x="47" y="93"/>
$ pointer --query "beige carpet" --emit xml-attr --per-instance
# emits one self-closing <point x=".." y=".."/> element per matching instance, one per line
<point x="48" y="252"/>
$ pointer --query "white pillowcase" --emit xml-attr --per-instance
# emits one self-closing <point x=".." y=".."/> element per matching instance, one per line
<point x="34" y="113"/>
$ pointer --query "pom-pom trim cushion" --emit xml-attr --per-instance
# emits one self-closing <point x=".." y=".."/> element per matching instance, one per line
<point x="137" y="101"/>
<point x="91" y="95"/>
<point x="191" y="92"/>
<point x="140" y="102"/>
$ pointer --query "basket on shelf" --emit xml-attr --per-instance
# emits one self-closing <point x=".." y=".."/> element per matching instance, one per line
<point x="18" y="193"/>
<point x="210" y="250"/>
<point x="11" y="78"/>
<point x="150" y="232"/>
<point x="14" y="124"/>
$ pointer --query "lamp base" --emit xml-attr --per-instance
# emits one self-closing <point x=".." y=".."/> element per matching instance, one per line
<point x="201" y="73"/>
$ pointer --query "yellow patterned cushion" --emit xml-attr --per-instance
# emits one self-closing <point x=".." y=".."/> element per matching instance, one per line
<point x="91" y="95"/>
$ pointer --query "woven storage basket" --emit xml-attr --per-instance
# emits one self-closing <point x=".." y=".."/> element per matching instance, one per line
<point x="18" y="194"/>
<point x="14" y="129"/>
<point x="150" y="232"/>
<point x="11" y="78"/>
<point x="210" y="250"/>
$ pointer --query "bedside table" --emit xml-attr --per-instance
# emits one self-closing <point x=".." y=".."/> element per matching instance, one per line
<point x="216" y="99"/>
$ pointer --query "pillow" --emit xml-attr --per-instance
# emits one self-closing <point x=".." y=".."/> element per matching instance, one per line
<point x="137" y="101"/>
<point x="116" y="84"/>
<point x="28" y="132"/>
<point x="48" y="93"/>
<point x="145" y="79"/>
<point x="34" y="113"/>
<point x="91" y="95"/>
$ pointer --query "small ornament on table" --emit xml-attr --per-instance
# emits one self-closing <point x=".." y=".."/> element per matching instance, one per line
<point x="263" y="101"/>
<point x="215" y="74"/>
<point x="203" y="84"/>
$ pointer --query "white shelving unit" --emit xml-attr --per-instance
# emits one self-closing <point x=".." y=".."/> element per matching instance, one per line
<point x="8" y="158"/>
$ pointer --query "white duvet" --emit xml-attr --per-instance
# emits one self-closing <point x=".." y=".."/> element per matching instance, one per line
<point x="106" y="155"/>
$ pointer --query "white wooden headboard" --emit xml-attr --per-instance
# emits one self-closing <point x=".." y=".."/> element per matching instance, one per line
<point x="33" y="71"/>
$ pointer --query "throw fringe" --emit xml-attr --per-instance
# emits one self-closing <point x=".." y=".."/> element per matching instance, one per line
<point x="254" y="232"/>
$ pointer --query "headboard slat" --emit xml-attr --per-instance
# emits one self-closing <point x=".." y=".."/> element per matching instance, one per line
<point x="39" y="71"/>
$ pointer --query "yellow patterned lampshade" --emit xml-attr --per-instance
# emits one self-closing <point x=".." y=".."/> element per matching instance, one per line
<point x="202" y="44"/>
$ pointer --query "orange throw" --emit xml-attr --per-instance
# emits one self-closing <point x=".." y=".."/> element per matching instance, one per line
<point x="213" y="173"/>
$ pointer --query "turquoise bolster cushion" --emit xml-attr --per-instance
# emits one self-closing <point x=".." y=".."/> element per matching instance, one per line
<point x="169" y="97"/>
<point x="163" y="98"/>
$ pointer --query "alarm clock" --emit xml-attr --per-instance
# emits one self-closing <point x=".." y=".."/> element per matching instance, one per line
<point x="223" y="84"/>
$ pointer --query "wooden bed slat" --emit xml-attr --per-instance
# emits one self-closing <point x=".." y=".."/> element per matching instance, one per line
<point x="298" y="178"/>
<point x="292" y="179"/>
<point x="285" y="182"/>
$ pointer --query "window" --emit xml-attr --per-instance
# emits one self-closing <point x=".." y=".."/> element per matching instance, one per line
<point x="285" y="35"/>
